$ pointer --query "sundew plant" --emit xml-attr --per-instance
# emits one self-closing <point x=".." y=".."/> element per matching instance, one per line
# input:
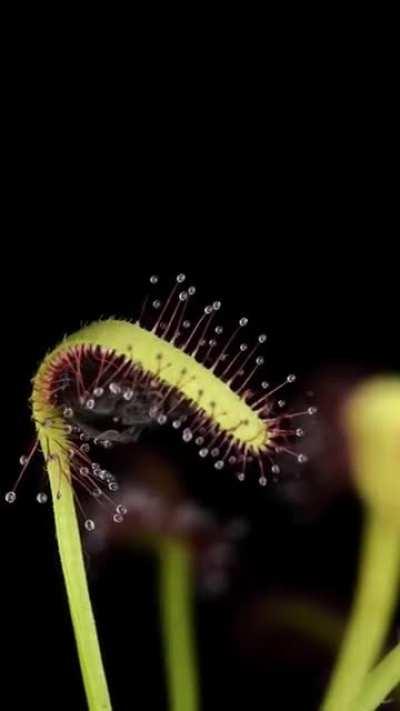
<point x="176" y="366"/>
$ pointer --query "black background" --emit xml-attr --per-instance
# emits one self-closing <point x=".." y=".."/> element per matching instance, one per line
<point x="278" y="201"/>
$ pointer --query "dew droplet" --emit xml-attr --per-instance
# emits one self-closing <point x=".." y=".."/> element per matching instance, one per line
<point x="161" y="419"/>
<point x="154" y="279"/>
<point x="243" y="347"/>
<point x="23" y="460"/>
<point x="218" y="330"/>
<point x="121" y="509"/>
<point x="291" y="378"/>
<point x="215" y="452"/>
<point x="191" y="290"/>
<point x="84" y="471"/>
<point x="275" y="469"/>
<point x="219" y="464"/>
<point x="199" y="440"/>
<point x="312" y="410"/>
<point x="113" y="486"/>
<point x="302" y="458"/>
<point x="85" y="448"/>
<point x="262" y="481"/>
<point x="243" y="321"/>
<point x="68" y="412"/>
<point x="180" y="278"/>
<point x="41" y="497"/>
<point x="10" y="497"/>
<point x="176" y="424"/>
<point x="262" y="338"/>
<point x="187" y="435"/>
<point x="114" y="389"/>
<point x="208" y="309"/>
<point x="281" y="403"/>
<point x="260" y="360"/>
<point x="96" y="492"/>
<point x="203" y="452"/>
<point x="106" y="444"/>
<point x="117" y="518"/>
<point x="186" y="324"/>
<point x="299" y="432"/>
<point x="68" y="429"/>
<point x="217" y="305"/>
<point x="90" y="404"/>
<point x="241" y="476"/>
<point x="232" y="459"/>
<point x="183" y="296"/>
<point x="128" y="394"/>
<point x="264" y="385"/>
<point x="98" y="392"/>
<point x="90" y="525"/>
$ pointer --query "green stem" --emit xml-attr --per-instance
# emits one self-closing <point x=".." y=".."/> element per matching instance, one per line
<point x="379" y="682"/>
<point x="177" y="618"/>
<point x="373" y="607"/>
<point x="70" y="549"/>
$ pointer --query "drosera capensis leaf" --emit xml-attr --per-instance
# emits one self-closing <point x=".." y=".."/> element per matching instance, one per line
<point x="204" y="385"/>
<point x="372" y="417"/>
